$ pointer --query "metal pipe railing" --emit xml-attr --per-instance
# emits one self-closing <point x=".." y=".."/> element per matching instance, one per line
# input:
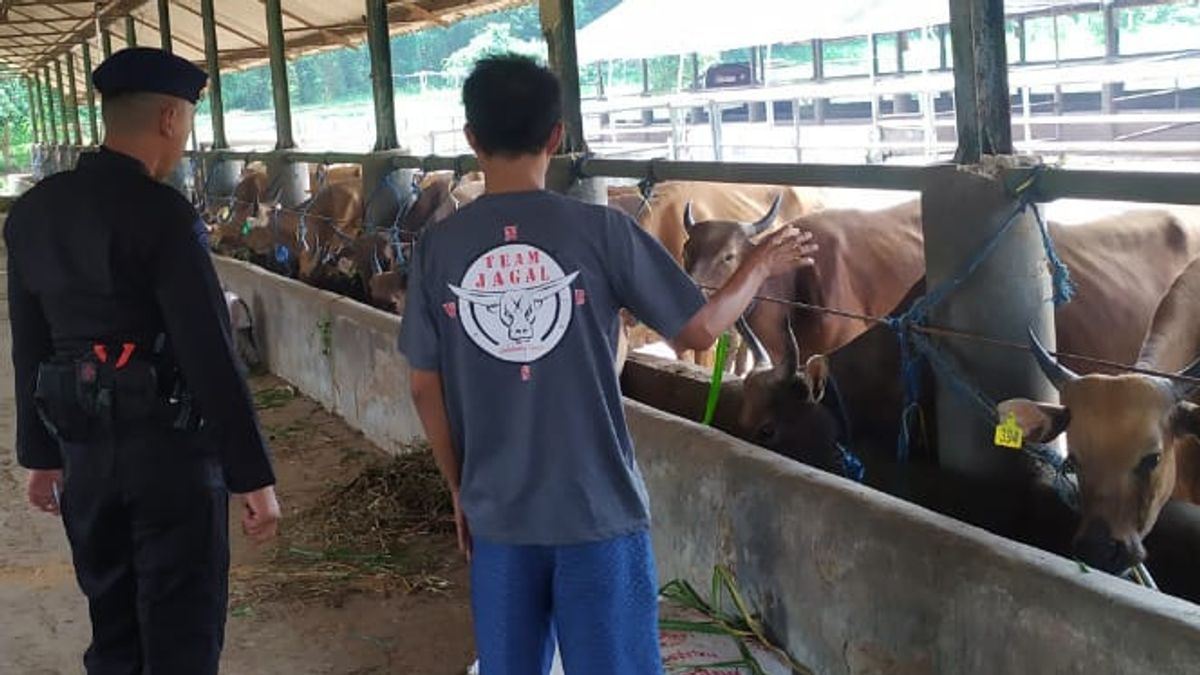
<point x="1053" y="184"/>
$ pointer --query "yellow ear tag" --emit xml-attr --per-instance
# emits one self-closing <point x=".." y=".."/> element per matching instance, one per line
<point x="1009" y="434"/>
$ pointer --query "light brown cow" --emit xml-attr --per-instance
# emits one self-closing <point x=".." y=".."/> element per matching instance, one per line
<point x="867" y="262"/>
<point x="228" y="218"/>
<point x="782" y="408"/>
<point x="322" y="174"/>
<point x="1134" y="440"/>
<point x="662" y="215"/>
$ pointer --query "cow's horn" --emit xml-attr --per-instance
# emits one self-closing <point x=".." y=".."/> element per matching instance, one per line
<point x="1057" y="373"/>
<point x="1184" y="390"/>
<point x="791" y="360"/>
<point x="762" y="361"/>
<point x="689" y="220"/>
<point x="767" y="220"/>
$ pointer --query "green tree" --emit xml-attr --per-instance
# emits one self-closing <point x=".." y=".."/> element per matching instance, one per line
<point x="495" y="38"/>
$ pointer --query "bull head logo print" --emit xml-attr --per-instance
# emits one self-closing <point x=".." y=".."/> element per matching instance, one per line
<point x="515" y="302"/>
<point x="518" y="309"/>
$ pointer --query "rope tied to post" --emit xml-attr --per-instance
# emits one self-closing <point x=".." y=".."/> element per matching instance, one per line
<point x="914" y="348"/>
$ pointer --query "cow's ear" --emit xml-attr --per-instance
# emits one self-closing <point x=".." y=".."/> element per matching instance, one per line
<point x="1184" y="419"/>
<point x="1040" y="422"/>
<point x="817" y="369"/>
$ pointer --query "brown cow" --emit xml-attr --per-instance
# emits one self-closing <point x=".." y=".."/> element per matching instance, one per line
<point x="867" y="260"/>
<point x="1134" y="440"/>
<point x="782" y="411"/>
<point x="228" y="218"/>
<point x="662" y="215"/>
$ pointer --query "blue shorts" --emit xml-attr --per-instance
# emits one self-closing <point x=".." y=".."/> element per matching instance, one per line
<point x="599" y="600"/>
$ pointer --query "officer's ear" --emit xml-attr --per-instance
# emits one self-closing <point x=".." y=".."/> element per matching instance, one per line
<point x="168" y="119"/>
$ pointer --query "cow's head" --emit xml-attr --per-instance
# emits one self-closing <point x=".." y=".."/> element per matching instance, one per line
<point x="784" y="407"/>
<point x="716" y="248"/>
<point x="1124" y="434"/>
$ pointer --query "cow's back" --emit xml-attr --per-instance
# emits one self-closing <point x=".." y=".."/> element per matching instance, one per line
<point x="663" y="216"/>
<point x="1173" y="339"/>
<point x="1121" y="266"/>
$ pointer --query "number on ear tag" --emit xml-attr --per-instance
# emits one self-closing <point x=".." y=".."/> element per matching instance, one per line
<point x="1009" y="434"/>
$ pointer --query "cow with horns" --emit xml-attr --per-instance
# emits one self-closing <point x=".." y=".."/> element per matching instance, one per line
<point x="1132" y="439"/>
<point x="1121" y="267"/>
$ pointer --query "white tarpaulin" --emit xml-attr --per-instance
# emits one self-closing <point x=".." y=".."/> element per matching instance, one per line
<point x="637" y="29"/>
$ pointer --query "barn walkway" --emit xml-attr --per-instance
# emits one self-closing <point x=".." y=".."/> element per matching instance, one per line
<point x="43" y="628"/>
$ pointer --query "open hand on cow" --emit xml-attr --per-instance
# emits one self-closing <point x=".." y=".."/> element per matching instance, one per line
<point x="784" y="250"/>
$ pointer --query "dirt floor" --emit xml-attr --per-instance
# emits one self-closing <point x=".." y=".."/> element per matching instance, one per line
<point x="363" y="580"/>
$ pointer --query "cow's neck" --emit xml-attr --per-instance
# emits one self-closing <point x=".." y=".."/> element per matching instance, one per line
<point x="1187" y="472"/>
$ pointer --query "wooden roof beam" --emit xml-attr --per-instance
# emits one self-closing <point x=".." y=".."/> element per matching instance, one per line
<point x="181" y="40"/>
<point x="222" y="26"/>
<point x="87" y="27"/>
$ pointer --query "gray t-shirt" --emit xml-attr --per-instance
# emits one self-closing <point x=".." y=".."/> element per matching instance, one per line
<point x="514" y="300"/>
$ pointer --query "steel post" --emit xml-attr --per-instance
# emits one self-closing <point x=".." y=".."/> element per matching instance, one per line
<point x="130" y="31"/>
<point x="384" y="96"/>
<point x="93" y="126"/>
<point x="71" y="81"/>
<point x="212" y="60"/>
<point x="164" y="24"/>
<point x="279" y="80"/>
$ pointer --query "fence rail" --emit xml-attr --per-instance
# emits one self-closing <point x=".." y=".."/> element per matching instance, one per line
<point x="1053" y="184"/>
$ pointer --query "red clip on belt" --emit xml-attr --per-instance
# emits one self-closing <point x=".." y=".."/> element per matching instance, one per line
<point x="127" y="350"/>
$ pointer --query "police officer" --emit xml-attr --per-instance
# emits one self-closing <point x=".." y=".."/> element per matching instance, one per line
<point x="132" y="416"/>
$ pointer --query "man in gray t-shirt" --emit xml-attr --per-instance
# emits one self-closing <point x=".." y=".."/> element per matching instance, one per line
<point x="511" y="330"/>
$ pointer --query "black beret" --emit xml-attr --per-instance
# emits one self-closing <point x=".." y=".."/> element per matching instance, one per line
<point x="152" y="71"/>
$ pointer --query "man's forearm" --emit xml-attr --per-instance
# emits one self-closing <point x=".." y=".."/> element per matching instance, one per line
<point x="431" y="408"/>
<point x="723" y="309"/>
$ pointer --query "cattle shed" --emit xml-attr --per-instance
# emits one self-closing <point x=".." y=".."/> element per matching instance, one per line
<point x="849" y="580"/>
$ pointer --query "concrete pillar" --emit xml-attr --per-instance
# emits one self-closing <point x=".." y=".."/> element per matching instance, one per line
<point x="385" y="188"/>
<point x="220" y="178"/>
<point x="288" y="180"/>
<point x="962" y="209"/>
<point x="561" y="178"/>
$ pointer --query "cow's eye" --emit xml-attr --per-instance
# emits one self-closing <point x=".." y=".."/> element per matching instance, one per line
<point x="1149" y="463"/>
<point x="729" y="257"/>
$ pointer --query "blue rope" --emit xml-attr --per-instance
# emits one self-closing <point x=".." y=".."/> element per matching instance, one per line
<point x="915" y="347"/>
<point x="1064" y="288"/>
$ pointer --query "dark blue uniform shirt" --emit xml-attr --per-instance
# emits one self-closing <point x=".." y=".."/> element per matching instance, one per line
<point x="106" y="251"/>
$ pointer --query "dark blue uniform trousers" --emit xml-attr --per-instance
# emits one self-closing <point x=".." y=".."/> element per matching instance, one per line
<point x="147" y="518"/>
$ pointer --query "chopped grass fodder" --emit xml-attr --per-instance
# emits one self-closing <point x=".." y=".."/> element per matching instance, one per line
<point x="371" y="533"/>
<point x="686" y="612"/>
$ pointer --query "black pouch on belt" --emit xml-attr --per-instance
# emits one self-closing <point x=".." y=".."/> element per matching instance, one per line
<point x="135" y="393"/>
<point x="57" y="396"/>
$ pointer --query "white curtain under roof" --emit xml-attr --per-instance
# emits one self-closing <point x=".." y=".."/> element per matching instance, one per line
<point x="637" y="29"/>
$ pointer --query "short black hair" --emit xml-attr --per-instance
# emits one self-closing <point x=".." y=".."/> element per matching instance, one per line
<point x="512" y="105"/>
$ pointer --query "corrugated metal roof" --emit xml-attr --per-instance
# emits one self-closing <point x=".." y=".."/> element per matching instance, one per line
<point x="638" y="29"/>
<point x="35" y="32"/>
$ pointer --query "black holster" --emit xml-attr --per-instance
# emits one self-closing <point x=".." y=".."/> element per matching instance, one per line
<point x="83" y="399"/>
